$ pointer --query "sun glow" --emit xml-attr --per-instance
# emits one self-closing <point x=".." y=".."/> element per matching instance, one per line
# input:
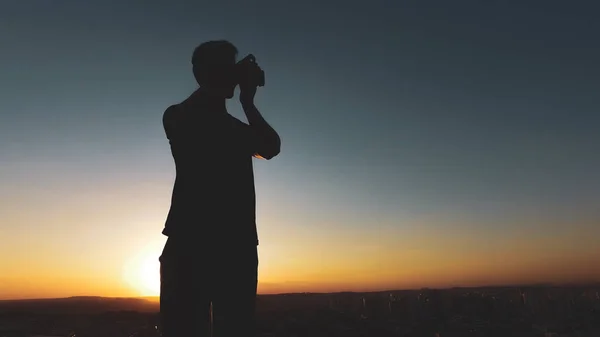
<point x="142" y="273"/>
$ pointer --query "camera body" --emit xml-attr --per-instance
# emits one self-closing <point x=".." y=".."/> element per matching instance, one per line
<point x="248" y="71"/>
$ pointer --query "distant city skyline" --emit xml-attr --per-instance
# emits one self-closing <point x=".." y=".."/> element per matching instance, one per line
<point x="424" y="144"/>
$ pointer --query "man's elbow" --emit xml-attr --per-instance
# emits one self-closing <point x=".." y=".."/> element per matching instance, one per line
<point x="268" y="154"/>
<point x="271" y="151"/>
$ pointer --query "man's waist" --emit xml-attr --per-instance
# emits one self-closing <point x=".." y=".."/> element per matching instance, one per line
<point x="225" y="235"/>
<point x="216" y="179"/>
<point x="211" y="219"/>
<point x="194" y="210"/>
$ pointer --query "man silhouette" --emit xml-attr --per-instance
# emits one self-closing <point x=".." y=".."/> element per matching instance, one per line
<point x="209" y="263"/>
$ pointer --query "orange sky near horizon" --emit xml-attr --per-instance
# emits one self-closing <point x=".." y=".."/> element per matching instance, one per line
<point x="123" y="261"/>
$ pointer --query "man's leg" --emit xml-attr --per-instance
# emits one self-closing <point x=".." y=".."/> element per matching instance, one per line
<point x="184" y="306"/>
<point x="235" y="296"/>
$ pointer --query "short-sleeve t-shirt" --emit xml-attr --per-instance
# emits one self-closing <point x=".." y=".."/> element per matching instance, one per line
<point x="213" y="197"/>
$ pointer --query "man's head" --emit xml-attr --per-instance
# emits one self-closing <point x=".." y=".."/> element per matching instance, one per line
<point x="213" y="65"/>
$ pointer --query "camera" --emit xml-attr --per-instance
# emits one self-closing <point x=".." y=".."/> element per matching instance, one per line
<point x="248" y="71"/>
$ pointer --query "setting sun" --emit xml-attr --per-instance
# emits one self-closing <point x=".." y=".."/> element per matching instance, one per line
<point x="142" y="273"/>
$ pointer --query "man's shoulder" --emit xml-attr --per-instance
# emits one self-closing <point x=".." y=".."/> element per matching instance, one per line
<point x="172" y="113"/>
<point x="179" y="115"/>
<point x="182" y="112"/>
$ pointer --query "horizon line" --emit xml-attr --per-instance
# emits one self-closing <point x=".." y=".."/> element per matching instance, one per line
<point x="155" y="297"/>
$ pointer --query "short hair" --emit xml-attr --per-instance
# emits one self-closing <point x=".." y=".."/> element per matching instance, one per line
<point x="213" y="52"/>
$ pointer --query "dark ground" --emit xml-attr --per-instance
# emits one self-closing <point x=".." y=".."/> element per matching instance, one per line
<point x="503" y="311"/>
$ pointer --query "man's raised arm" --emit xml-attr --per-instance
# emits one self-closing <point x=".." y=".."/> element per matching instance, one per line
<point x="267" y="141"/>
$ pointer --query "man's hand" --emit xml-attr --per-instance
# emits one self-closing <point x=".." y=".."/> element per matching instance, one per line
<point x="248" y="90"/>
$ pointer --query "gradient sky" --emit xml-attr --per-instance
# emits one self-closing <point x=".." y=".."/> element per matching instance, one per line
<point x="425" y="143"/>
